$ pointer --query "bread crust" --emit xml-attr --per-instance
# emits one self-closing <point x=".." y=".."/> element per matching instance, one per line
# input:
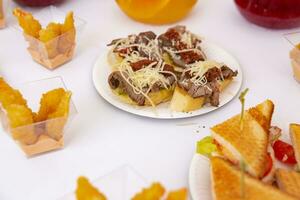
<point x="157" y="98"/>
<point x="183" y="102"/>
<point x="288" y="181"/>
<point x="295" y="137"/>
<point x="226" y="184"/>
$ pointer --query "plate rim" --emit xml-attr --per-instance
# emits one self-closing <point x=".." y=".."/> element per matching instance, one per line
<point x="100" y="92"/>
<point x="192" y="188"/>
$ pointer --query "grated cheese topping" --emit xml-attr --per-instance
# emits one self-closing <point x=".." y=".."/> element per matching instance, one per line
<point x="144" y="79"/>
<point x="188" y="39"/>
<point x="198" y="69"/>
<point x="151" y="49"/>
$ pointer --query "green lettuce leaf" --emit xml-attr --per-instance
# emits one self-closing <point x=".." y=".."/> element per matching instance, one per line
<point x="206" y="147"/>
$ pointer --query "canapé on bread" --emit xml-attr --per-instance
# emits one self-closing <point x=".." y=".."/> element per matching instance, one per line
<point x="161" y="96"/>
<point x="183" y="102"/>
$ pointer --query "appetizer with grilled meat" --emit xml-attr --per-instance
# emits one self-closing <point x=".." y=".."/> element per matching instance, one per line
<point x="200" y="83"/>
<point x="181" y="47"/>
<point x="143" y="82"/>
<point x="144" y="45"/>
<point x="146" y="69"/>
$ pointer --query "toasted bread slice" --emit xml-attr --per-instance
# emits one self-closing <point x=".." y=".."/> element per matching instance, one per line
<point x="161" y="96"/>
<point x="263" y="113"/>
<point x="113" y="60"/>
<point x="288" y="181"/>
<point x="227" y="184"/>
<point x="295" y="137"/>
<point x="250" y="144"/>
<point x="183" y="102"/>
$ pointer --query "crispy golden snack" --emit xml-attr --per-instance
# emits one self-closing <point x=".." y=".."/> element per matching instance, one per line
<point x="56" y="38"/>
<point x="8" y="95"/>
<point x="50" y="37"/>
<point x="154" y="192"/>
<point x="181" y="194"/>
<point x="49" y="103"/>
<point x="56" y="121"/>
<point x="86" y="191"/>
<point x="20" y="121"/>
<point x="68" y="34"/>
<point x="29" y="25"/>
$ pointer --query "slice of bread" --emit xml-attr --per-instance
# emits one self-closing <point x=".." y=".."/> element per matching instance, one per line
<point x="159" y="97"/>
<point x="288" y="181"/>
<point x="295" y="137"/>
<point x="113" y="60"/>
<point x="263" y="113"/>
<point x="227" y="184"/>
<point x="183" y="102"/>
<point x="250" y="144"/>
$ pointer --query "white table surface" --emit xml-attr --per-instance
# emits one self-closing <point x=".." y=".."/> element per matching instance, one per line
<point x="102" y="137"/>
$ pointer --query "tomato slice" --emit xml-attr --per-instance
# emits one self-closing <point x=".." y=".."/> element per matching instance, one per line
<point x="269" y="165"/>
<point x="284" y="152"/>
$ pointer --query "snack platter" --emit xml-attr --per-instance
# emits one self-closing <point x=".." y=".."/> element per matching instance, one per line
<point x="163" y="111"/>
<point x="165" y="99"/>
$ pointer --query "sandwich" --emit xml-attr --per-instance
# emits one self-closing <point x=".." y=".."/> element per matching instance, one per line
<point x="181" y="47"/>
<point x="230" y="183"/>
<point x="249" y="144"/>
<point x="201" y="83"/>
<point x="246" y="152"/>
<point x="288" y="181"/>
<point x="295" y="137"/>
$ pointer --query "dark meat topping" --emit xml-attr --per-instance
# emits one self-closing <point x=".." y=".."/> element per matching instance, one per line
<point x="172" y="34"/>
<point x="116" y="80"/>
<point x="190" y="57"/>
<point x="140" y="64"/>
<point x="210" y="91"/>
<point x="168" y="68"/>
<point x="141" y="38"/>
<point x="172" y="39"/>
<point x="212" y="74"/>
<point x="228" y="73"/>
<point x="144" y="37"/>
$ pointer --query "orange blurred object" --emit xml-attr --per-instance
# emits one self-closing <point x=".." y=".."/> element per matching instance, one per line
<point x="156" y="11"/>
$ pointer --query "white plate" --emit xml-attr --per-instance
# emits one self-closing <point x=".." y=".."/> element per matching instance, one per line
<point x="199" y="178"/>
<point x="102" y="70"/>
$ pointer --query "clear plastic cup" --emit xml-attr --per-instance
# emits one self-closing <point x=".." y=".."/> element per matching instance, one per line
<point x="43" y="136"/>
<point x="294" y="39"/>
<point x="120" y="184"/>
<point x="59" y="50"/>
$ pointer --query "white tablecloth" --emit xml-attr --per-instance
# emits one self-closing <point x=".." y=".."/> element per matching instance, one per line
<point x="102" y="137"/>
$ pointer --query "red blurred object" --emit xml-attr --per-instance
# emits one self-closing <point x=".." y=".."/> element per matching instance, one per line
<point x="269" y="165"/>
<point x="284" y="152"/>
<point x="38" y="3"/>
<point x="277" y="14"/>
